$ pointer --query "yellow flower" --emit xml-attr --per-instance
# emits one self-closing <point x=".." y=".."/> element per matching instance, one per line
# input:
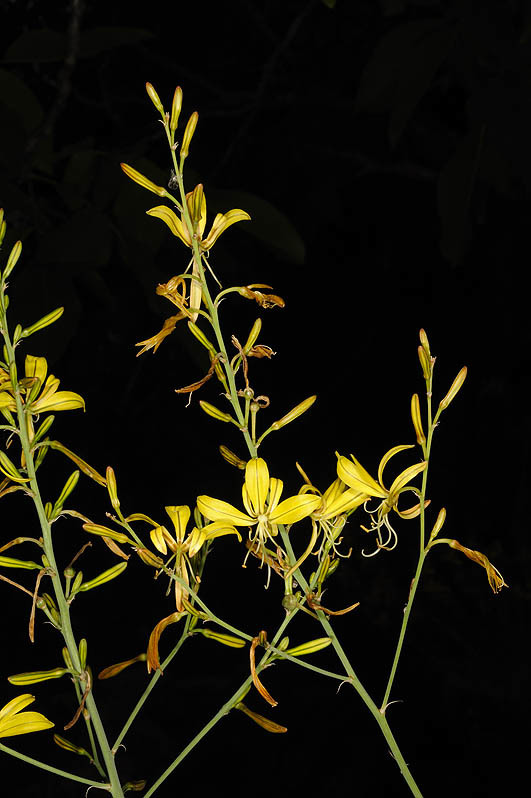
<point x="261" y="498"/>
<point x="184" y="548"/>
<point x="197" y="209"/>
<point x="196" y="205"/>
<point x="352" y="473"/>
<point x="39" y="392"/>
<point x="13" y="721"/>
<point x="337" y="502"/>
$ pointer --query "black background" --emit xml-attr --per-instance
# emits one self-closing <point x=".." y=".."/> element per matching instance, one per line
<point x="385" y="148"/>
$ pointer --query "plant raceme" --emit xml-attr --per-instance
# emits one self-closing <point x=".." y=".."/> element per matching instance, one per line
<point x="299" y="539"/>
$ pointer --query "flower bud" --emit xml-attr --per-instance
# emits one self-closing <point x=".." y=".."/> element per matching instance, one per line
<point x="83" y="652"/>
<point x="253" y="336"/>
<point x="232" y="458"/>
<point x="454" y="388"/>
<point x="201" y="337"/>
<point x="310" y="647"/>
<point x="297" y="411"/>
<point x="50" y="318"/>
<point x="176" y="108"/>
<point x="12" y="260"/>
<point x="142" y="180"/>
<point x="438" y="525"/>
<point x="417" y="419"/>
<point x="188" y="133"/>
<point x="221" y="637"/>
<point x="155" y="99"/>
<point x="68" y="746"/>
<point x="11" y="562"/>
<point x="210" y="410"/>
<point x="112" y="489"/>
<point x="70" y="484"/>
<point x="36" y="676"/>
<point x="105" y="576"/>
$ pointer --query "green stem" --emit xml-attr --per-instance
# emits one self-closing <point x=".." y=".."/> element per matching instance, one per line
<point x="62" y="605"/>
<point x="224" y="710"/>
<point x="377" y="714"/>
<point x="64" y="773"/>
<point x="153" y="681"/>
<point x="422" y="548"/>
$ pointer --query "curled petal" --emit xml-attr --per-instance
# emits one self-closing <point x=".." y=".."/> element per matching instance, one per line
<point x="218" y="510"/>
<point x="403" y="479"/>
<point x="153" y="661"/>
<point x="172" y="220"/>
<point x="221" y="222"/>
<point x="217" y="530"/>
<point x="387" y="456"/>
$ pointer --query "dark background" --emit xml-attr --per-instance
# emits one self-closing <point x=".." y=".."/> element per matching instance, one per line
<point x="382" y="149"/>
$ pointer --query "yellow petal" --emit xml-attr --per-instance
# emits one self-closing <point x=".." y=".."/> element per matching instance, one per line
<point x="180" y="515"/>
<point x="24" y="723"/>
<point x="257" y="483"/>
<point x="218" y="510"/>
<point x="387" y="456"/>
<point x="15" y="705"/>
<point x="216" y="530"/>
<point x="173" y="222"/>
<point x="294" y="509"/>
<point x="195" y="541"/>
<point x="343" y="503"/>
<point x="60" y="400"/>
<point x="36" y="367"/>
<point x="157" y="538"/>
<point x="354" y="475"/>
<point x="276" y="487"/>
<point x="221" y="222"/>
<point x="6" y="400"/>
